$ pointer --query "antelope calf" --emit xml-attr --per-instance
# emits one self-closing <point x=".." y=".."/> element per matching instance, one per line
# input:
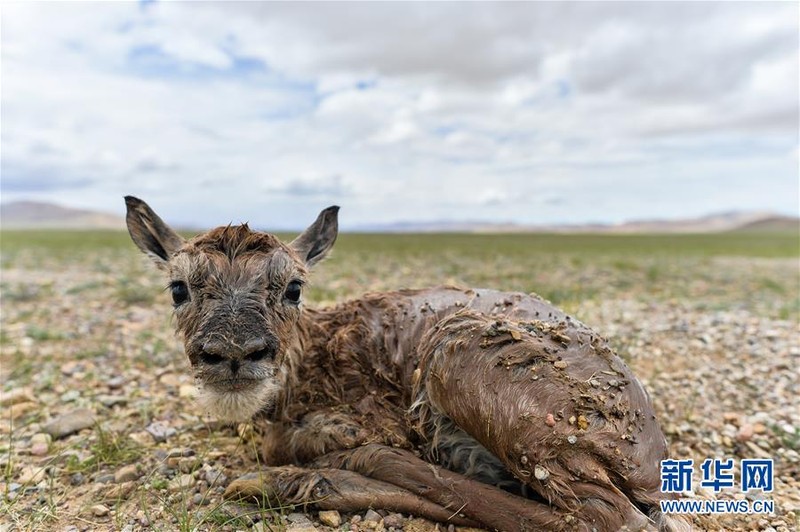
<point x="473" y="407"/>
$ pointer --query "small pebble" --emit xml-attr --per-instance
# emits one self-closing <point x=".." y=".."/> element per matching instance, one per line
<point x="372" y="517"/>
<point x="180" y="483"/>
<point x="188" y="465"/>
<point x="142" y="438"/>
<point x="394" y="521"/>
<point x="70" y="396"/>
<point x="159" y="431"/>
<point x="550" y="421"/>
<point x="100" y="510"/>
<point x="39" y="449"/>
<point x="126" y="474"/>
<point x="745" y="433"/>
<point x="177" y="452"/>
<point x="420" y="525"/>
<point x="72" y="367"/>
<point x="115" y="382"/>
<point x="330" y="518"/>
<point x="16" y="395"/>
<point x="30" y="475"/>
<point x="18" y="410"/>
<point x="560" y="364"/>
<point x="111" y="400"/>
<point x="297" y="517"/>
<point x="301" y="528"/>
<point x="41" y="437"/>
<point x="69" y="423"/>
<point x="170" y="379"/>
<point x="215" y="477"/>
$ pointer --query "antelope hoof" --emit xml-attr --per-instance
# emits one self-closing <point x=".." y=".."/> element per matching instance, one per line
<point x="250" y="487"/>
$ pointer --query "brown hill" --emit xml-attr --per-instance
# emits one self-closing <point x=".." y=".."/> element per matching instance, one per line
<point x="772" y="224"/>
<point x="42" y="215"/>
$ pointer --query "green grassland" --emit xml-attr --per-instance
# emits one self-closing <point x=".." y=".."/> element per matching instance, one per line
<point x="740" y="269"/>
<point x="744" y="243"/>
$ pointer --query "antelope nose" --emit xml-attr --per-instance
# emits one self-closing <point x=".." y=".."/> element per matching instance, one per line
<point x="216" y="351"/>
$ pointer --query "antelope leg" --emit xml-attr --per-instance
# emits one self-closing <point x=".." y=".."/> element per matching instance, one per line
<point x="491" y="506"/>
<point x="334" y="489"/>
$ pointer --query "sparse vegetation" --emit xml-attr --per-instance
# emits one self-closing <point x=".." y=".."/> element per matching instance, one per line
<point x="709" y="322"/>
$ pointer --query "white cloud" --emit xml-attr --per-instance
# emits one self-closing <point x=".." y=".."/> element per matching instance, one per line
<point x="266" y="111"/>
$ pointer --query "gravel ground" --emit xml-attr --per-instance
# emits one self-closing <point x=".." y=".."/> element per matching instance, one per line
<point x="99" y="430"/>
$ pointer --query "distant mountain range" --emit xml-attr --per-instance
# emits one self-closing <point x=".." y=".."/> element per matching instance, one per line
<point x="713" y="223"/>
<point x="41" y="215"/>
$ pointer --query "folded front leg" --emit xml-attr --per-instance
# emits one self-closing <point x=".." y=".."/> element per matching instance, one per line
<point x="315" y="434"/>
<point x="335" y="489"/>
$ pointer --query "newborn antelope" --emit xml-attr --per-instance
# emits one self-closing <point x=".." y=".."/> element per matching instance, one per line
<point x="464" y="406"/>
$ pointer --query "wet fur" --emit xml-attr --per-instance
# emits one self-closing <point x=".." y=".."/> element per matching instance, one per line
<point x="426" y="401"/>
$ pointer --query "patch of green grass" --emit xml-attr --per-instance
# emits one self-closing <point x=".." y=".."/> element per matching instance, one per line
<point x="159" y="483"/>
<point x="40" y="334"/>
<point x="22" y="366"/>
<point x="133" y="293"/>
<point x="89" y="354"/>
<point x="84" y="287"/>
<point x="791" y="441"/>
<point x="653" y="273"/>
<point x="23" y="292"/>
<point x="772" y="285"/>
<point x="219" y="516"/>
<point x="789" y="310"/>
<point x="624" y="265"/>
<point x="111" y="449"/>
<point x="108" y="449"/>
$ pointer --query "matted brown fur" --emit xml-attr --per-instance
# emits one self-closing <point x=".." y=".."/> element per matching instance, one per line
<point x="471" y="406"/>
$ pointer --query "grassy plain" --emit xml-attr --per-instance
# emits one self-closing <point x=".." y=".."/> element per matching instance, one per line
<point x="709" y="322"/>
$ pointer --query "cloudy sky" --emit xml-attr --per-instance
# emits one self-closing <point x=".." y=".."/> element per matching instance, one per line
<point x="525" y="112"/>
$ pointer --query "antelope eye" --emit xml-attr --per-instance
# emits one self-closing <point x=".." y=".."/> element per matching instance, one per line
<point x="293" y="291"/>
<point x="180" y="292"/>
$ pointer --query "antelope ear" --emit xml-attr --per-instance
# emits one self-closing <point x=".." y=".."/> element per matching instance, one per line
<point x="314" y="243"/>
<point x="150" y="233"/>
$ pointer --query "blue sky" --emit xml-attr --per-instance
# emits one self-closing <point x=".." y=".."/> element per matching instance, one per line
<point x="524" y="112"/>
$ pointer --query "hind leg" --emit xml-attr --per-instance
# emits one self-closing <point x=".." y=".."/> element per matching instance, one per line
<point x="488" y="505"/>
<point x="525" y="395"/>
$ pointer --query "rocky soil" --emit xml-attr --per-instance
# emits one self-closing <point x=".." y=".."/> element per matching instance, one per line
<point x="99" y="430"/>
